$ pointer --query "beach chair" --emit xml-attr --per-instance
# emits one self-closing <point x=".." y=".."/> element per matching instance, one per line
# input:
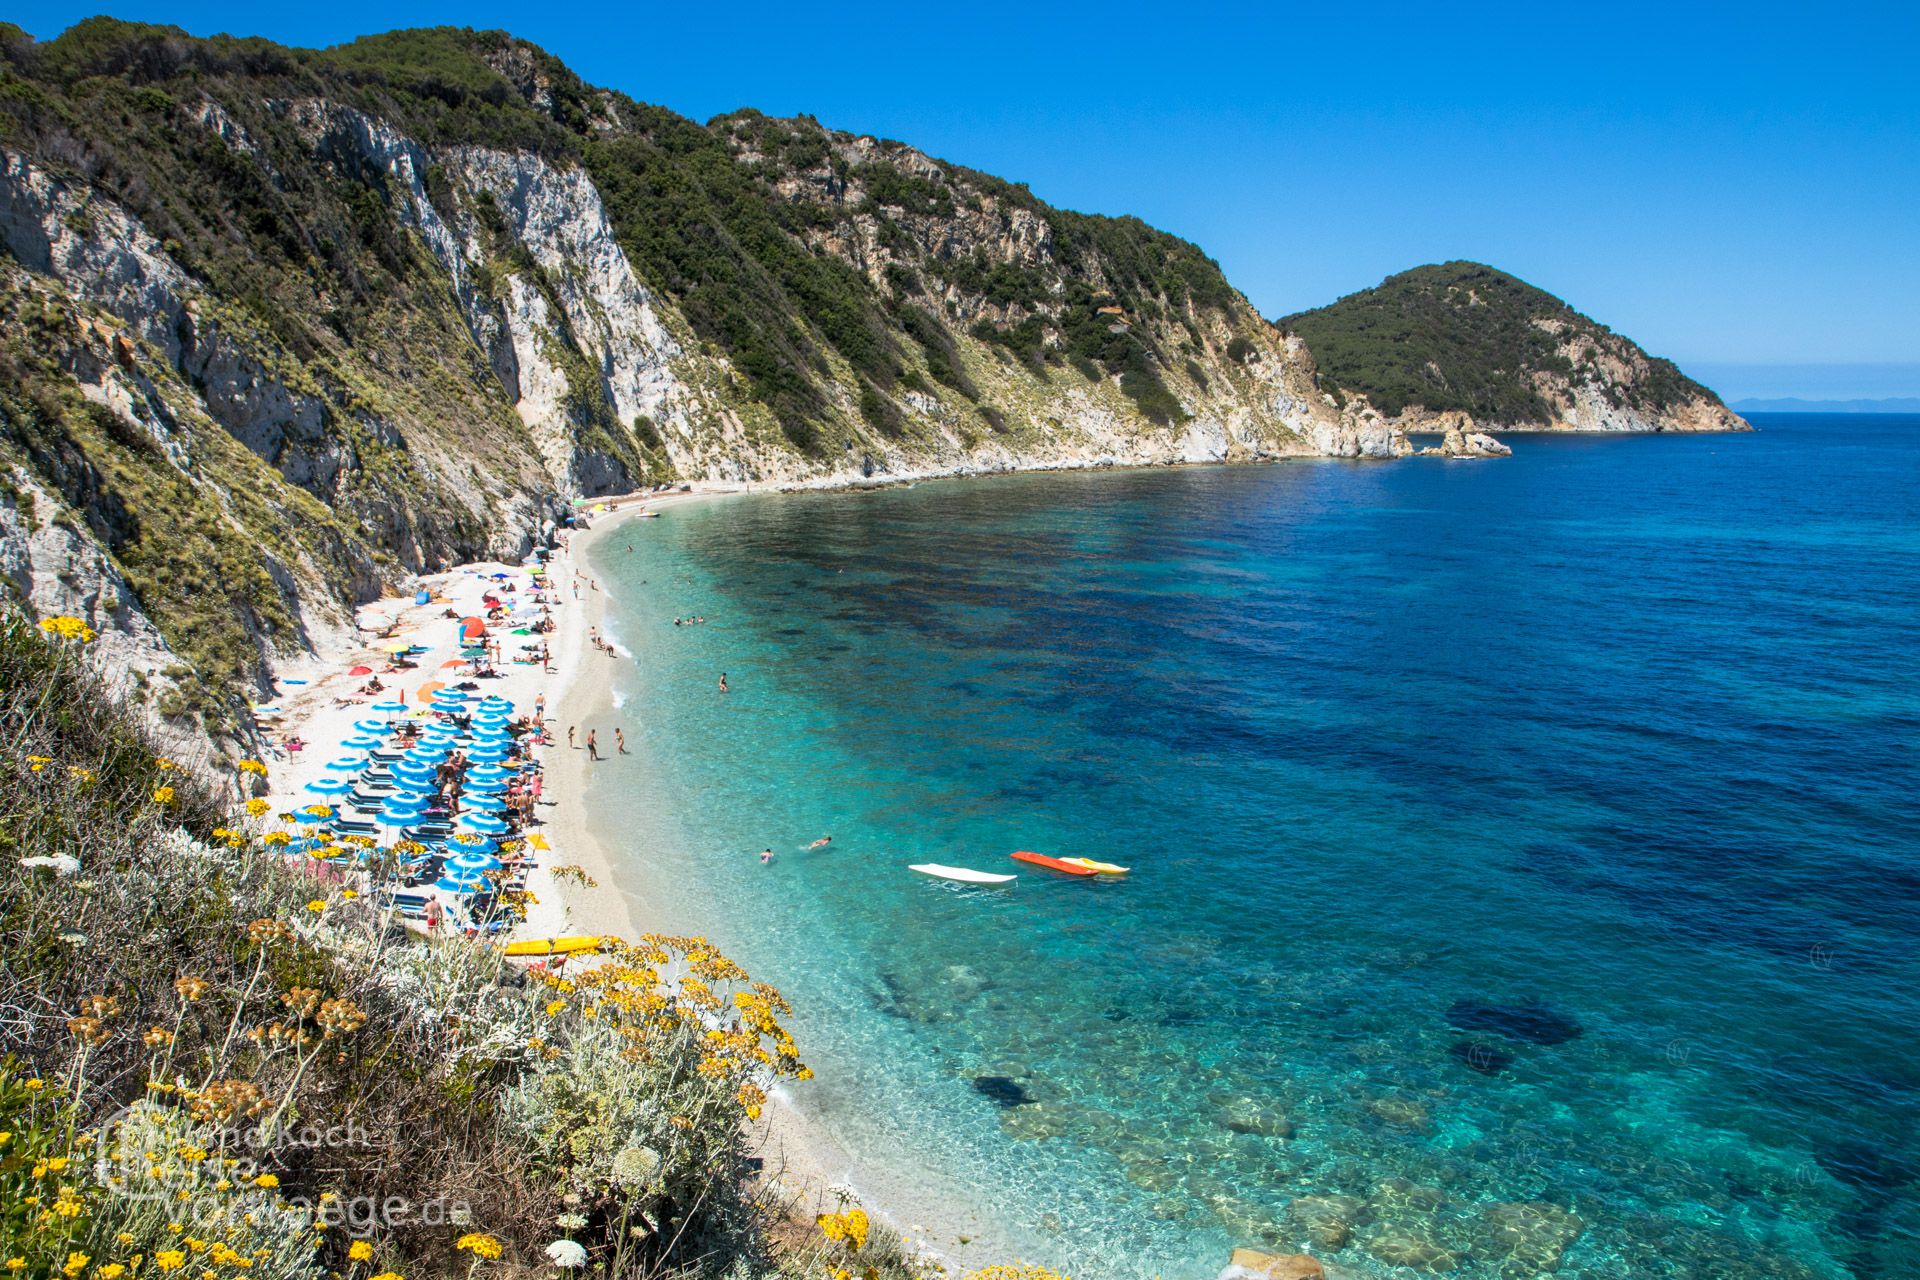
<point x="413" y="906"/>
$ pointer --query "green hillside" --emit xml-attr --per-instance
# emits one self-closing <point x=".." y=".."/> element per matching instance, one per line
<point x="1464" y="336"/>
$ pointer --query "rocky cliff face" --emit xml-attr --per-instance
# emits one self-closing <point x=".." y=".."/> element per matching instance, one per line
<point x="282" y="326"/>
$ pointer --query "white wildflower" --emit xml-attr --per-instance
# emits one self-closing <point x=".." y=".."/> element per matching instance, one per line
<point x="635" y="1166"/>
<point x="571" y="1221"/>
<point x="64" y="864"/>
<point x="567" y="1253"/>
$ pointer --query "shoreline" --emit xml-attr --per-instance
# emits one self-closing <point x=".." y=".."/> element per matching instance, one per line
<point x="804" y="1166"/>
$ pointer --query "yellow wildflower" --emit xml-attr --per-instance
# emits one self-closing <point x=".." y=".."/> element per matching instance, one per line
<point x="163" y="795"/>
<point x="359" y="1251"/>
<point x="266" y="1180"/>
<point x="257" y="807"/>
<point x="169" y="1259"/>
<point x="76" y="1263"/>
<point x="481" y="1246"/>
<point x="67" y="628"/>
<point x="112" y="1271"/>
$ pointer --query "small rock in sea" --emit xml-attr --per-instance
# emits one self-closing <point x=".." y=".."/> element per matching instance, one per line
<point x="1325" y="1220"/>
<point x="1248" y="1115"/>
<point x="1478" y="1055"/>
<point x="1531" y="1022"/>
<point x="1399" y="1197"/>
<point x="1403" y="1113"/>
<point x="1416" y="1253"/>
<point x="1001" y="1089"/>
<point x="1251" y="1264"/>
<point x="1531" y="1235"/>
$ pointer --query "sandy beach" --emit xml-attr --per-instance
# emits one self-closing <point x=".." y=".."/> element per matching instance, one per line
<point x="320" y="702"/>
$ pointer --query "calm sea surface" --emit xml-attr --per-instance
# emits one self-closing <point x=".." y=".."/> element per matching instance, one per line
<point x="1526" y="854"/>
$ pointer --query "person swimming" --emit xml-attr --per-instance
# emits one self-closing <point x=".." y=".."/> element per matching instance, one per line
<point x="823" y="840"/>
<point x="766" y="856"/>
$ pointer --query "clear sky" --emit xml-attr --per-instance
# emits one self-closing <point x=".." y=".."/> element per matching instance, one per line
<point x="1736" y="186"/>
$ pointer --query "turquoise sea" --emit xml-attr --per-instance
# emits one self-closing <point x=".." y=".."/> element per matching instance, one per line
<point x="1526" y="853"/>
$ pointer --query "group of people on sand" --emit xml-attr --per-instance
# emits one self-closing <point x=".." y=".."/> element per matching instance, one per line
<point x="600" y="642"/>
<point x="592" y="742"/>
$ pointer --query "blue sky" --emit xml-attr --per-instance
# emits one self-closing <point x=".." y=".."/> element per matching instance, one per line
<point x="1737" y="187"/>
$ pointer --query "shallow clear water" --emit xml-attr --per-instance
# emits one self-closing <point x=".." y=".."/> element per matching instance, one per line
<point x="1625" y="726"/>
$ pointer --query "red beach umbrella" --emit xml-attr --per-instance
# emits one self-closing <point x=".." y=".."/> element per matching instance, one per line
<point x="359" y="671"/>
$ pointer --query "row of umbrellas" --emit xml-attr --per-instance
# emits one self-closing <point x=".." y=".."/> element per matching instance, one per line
<point x="486" y="744"/>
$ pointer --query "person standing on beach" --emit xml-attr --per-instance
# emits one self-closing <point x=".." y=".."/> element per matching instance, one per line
<point x="570" y="745"/>
<point x="620" y="740"/>
<point x="593" y="747"/>
<point x="540" y="709"/>
<point x="433" y="916"/>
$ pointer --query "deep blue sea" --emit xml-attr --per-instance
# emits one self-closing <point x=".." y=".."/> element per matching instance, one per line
<point x="1525" y="853"/>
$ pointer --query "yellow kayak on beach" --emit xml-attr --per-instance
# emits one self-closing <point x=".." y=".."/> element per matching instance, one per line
<point x="555" y="946"/>
<point x="1106" y="868"/>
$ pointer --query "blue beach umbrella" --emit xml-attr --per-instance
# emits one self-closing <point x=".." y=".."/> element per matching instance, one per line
<point x="363" y="742"/>
<point x="329" y="787"/>
<point x="306" y="819"/>
<point x="487" y="773"/>
<point x="390" y="707"/>
<point x="461" y="882"/>
<point x="348" y="764"/>
<point x="493" y="715"/>
<point x="429" y="752"/>
<point x="482" y="803"/>
<point x="482" y="823"/>
<point x="468" y="842"/>
<point x="392" y="817"/>
<point x="473" y="862"/>
<point x="487" y="753"/>
<point x="421" y="770"/>
<point x="484" y="787"/>
<point x="495" y="700"/>
<point x="370" y="726"/>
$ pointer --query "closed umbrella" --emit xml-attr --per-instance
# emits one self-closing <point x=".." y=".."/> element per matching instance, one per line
<point x="483" y="824"/>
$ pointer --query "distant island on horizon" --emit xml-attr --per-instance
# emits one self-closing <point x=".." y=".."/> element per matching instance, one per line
<point x="1793" y="404"/>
